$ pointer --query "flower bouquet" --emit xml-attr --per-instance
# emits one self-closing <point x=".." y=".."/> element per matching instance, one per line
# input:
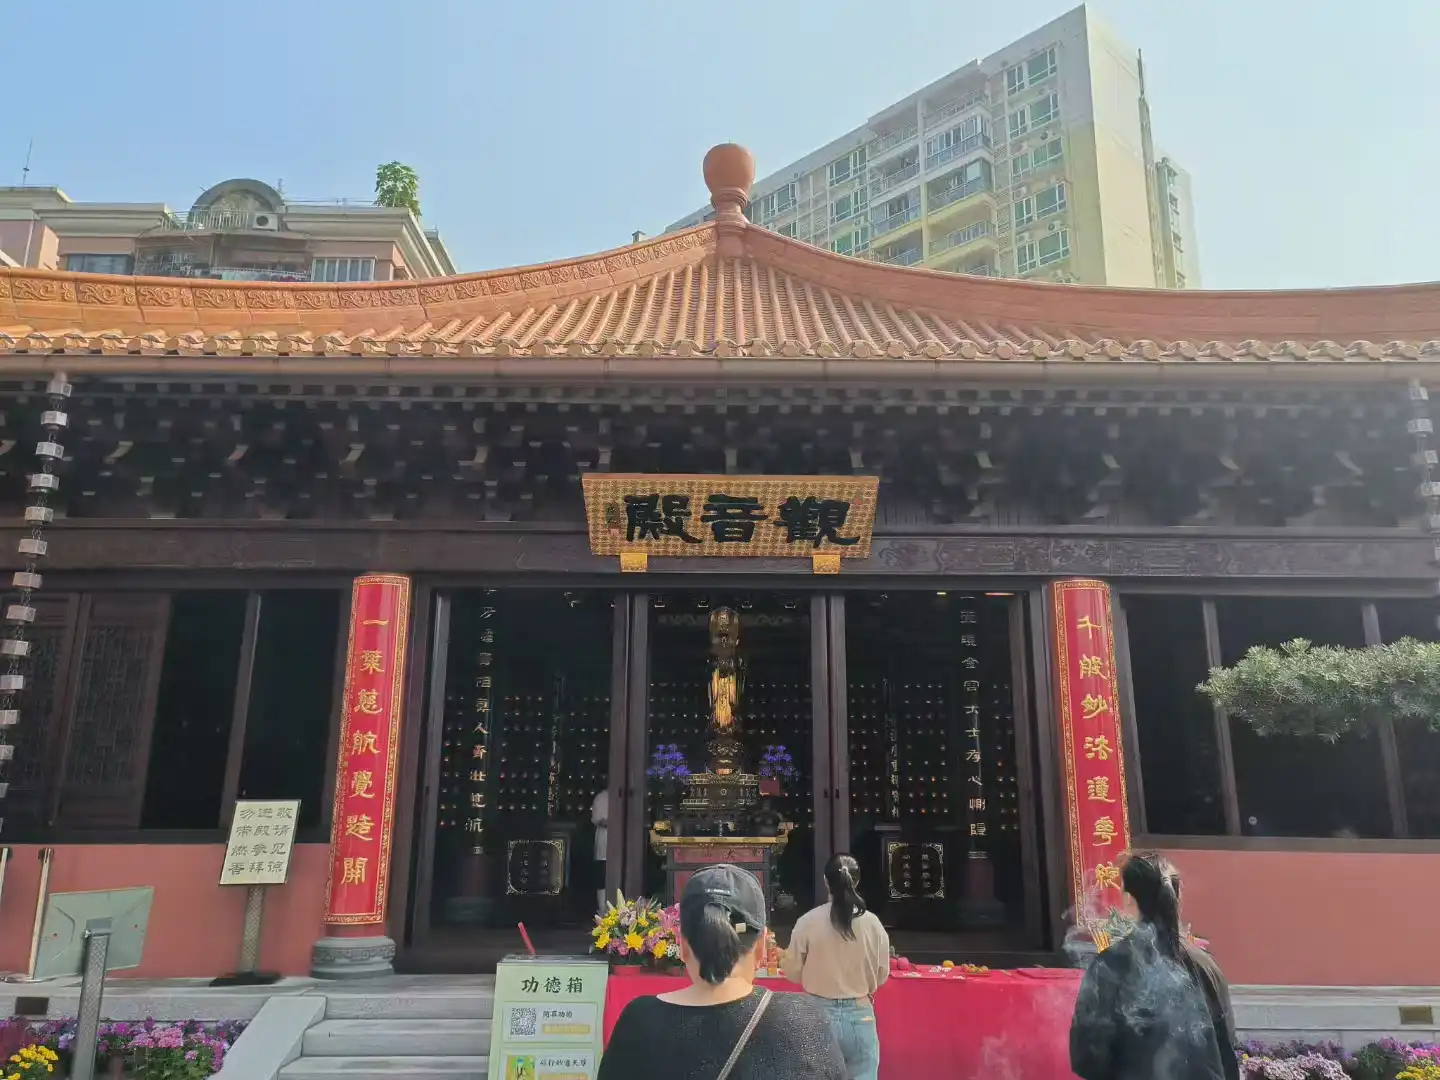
<point x="30" y="1061"/>
<point x="638" y="932"/>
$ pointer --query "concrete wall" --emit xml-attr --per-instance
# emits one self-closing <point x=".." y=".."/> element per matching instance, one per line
<point x="1297" y="918"/>
<point x="195" y="925"/>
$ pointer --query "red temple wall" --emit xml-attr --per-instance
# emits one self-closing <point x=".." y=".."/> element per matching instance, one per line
<point x="1302" y="918"/>
<point x="1273" y="918"/>
<point x="195" y="925"/>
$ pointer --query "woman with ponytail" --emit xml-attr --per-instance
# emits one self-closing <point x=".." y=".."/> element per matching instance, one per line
<point x="1153" y="1006"/>
<point x="840" y="954"/>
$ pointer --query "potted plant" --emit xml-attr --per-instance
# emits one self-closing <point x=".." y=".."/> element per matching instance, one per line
<point x="777" y="768"/>
<point x="668" y="767"/>
<point x="636" y="934"/>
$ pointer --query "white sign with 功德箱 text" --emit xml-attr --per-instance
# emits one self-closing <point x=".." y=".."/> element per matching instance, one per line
<point x="262" y="835"/>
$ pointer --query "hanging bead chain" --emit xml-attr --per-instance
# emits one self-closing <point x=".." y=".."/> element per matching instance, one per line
<point x="1425" y="460"/>
<point x="20" y="616"/>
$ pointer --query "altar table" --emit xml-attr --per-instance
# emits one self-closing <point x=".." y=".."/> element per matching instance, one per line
<point x="1007" y="1025"/>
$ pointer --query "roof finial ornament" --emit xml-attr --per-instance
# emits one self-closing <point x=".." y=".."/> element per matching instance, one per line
<point x="729" y="173"/>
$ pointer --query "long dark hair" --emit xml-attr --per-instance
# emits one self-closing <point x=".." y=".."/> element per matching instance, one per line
<point x="842" y="875"/>
<point x="1155" y="884"/>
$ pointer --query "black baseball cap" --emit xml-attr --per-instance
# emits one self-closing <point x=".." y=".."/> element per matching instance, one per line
<point x="737" y="891"/>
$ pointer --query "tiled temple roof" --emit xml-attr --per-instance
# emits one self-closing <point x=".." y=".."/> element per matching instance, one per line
<point x="723" y="289"/>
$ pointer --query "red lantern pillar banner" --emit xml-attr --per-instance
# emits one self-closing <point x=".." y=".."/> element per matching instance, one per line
<point x="357" y="889"/>
<point x="1088" y="696"/>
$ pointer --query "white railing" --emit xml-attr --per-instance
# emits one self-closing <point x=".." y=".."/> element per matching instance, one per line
<point x="216" y="220"/>
<point x="954" y="107"/>
<point x="894" y="221"/>
<point x="908" y="257"/>
<point x="170" y="268"/>
<point x="888" y="142"/>
<point x="885" y="181"/>
<point x="961" y="236"/>
<point x="955" y="150"/>
<point x="956" y="192"/>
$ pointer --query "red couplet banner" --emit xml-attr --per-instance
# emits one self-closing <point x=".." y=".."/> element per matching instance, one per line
<point x="365" y="781"/>
<point x="1088" y="696"/>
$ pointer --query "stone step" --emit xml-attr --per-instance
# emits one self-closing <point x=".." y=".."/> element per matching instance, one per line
<point x="409" y="1068"/>
<point x="411" y="1004"/>
<point x="397" y="1038"/>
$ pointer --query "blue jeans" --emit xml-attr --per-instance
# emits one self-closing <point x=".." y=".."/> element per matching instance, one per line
<point x="853" y="1023"/>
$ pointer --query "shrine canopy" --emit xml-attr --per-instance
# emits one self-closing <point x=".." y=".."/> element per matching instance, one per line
<point x="723" y="299"/>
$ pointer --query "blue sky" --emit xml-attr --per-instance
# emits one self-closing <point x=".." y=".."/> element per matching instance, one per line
<point x="545" y="129"/>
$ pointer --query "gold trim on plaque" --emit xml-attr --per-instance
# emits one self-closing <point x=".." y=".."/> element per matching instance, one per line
<point x="634" y="562"/>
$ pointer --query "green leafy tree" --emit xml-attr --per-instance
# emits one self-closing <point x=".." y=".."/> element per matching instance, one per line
<point x="1326" y="692"/>
<point x="397" y="186"/>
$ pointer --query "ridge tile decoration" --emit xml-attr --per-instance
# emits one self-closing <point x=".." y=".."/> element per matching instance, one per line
<point x="1096" y="812"/>
<point x="759" y="516"/>
<point x="357" y="888"/>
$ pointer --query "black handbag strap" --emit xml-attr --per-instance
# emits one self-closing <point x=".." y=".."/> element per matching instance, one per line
<point x="745" y="1036"/>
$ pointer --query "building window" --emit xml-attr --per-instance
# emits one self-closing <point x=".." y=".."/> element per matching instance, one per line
<point x="788" y="229"/>
<point x="1289" y="785"/>
<point x="1034" y="70"/>
<point x="1043" y="252"/>
<point x="341" y="270"/>
<point x="1046" y="154"/>
<point x="100" y="264"/>
<point x="1175" y="726"/>
<point x="1018" y="122"/>
<point x="1042" y="204"/>
<point x="1175" y="239"/>
<point x="847" y="206"/>
<point x="1050" y="200"/>
<point x="852" y="243"/>
<point x="1040" y="66"/>
<point x="848" y="167"/>
<point x="1044" y="110"/>
<point x="1179" y="281"/>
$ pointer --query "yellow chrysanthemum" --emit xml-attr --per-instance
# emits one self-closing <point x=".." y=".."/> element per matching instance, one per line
<point x="602" y="942"/>
<point x="634" y="941"/>
<point x="660" y="949"/>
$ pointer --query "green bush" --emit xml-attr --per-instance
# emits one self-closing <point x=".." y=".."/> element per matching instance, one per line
<point x="1326" y="692"/>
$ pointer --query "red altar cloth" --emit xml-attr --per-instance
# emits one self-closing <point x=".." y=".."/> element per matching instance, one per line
<point x="1007" y="1025"/>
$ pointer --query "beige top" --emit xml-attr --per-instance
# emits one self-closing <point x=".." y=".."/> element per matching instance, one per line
<point x="829" y="966"/>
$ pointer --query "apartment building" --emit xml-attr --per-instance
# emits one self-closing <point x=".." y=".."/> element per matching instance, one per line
<point x="239" y="230"/>
<point x="1035" y="162"/>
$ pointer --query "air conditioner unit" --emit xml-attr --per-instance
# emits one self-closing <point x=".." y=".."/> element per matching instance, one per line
<point x="1054" y="225"/>
<point x="267" y="221"/>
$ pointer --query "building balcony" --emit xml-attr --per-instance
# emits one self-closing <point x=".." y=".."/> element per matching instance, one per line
<point x="217" y="273"/>
<point x="962" y="246"/>
<point x="908" y="256"/>
<point x="883" y="182"/>
<point x="980" y="141"/>
<point x="954" y="107"/>
<point x="946" y="205"/>
<point x="880" y="226"/>
<point x="222" y="221"/>
<point x="883" y="145"/>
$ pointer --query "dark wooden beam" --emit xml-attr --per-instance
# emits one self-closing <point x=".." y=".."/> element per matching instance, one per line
<point x="823" y="740"/>
<point x="1388" y="555"/>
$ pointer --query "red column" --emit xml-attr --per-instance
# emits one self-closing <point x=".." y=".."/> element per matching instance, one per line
<point x="358" y="886"/>
<point x="1092" y="755"/>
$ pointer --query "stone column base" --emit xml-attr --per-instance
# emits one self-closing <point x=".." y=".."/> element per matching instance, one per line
<point x="352" y="957"/>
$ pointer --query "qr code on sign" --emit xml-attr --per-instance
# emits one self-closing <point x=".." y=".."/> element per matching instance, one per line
<point x="524" y="1023"/>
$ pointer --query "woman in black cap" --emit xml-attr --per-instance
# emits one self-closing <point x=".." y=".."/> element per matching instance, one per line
<point x="721" y="1026"/>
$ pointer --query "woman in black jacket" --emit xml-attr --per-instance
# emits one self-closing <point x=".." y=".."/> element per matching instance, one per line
<point x="1153" y="1006"/>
